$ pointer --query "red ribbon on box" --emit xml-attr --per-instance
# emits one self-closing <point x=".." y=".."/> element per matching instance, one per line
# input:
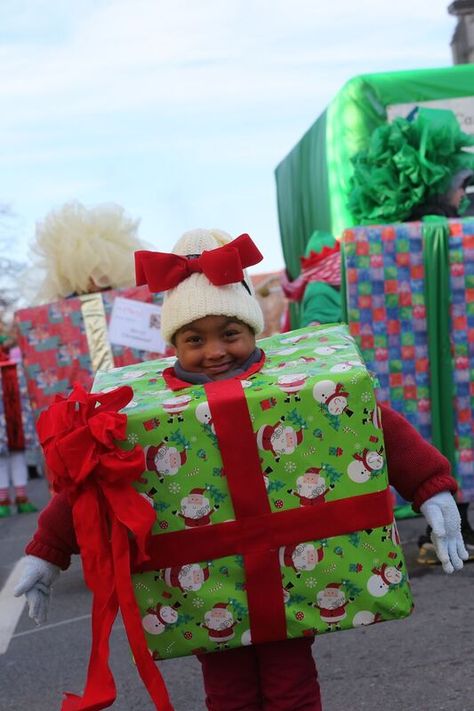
<point x="79" y="436"/>
<point x="257" y="533"/>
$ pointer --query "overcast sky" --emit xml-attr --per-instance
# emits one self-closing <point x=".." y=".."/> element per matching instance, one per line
<point x="180" y="111"/>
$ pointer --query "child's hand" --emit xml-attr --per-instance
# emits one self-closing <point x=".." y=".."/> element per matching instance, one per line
<point x="442" y="515"/>
<point x="35" y="583"/>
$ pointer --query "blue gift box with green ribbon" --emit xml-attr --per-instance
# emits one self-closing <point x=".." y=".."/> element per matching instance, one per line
<point x="409" y="298"/>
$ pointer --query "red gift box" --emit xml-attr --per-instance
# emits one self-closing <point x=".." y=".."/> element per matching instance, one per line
<point x="66" y="342"/>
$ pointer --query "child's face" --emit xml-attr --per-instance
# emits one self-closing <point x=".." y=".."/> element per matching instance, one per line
<point x="214" y="345"/>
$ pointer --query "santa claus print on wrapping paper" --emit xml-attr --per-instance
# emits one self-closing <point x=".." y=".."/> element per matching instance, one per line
<point x="131" y="375"/>
<point x="302" y="360"/>
<point x="330" y="350"/>
<point x="303" y="557"/>
<point x="175" y="406"/>
<point x="384" y="578"/>
<point x="372" y="416"/>
<point x="333" y="396"/>
<point x="332" y="604"/>
<point x="291" y="385"/>
<point x="160" y="617"/>
<point x="196" y="509"/>
<point x="278" y="439"/>
<point x="345" y="366"/>
<point x="219" y="623"/>
<point x="369" y="463"/>
<point x="366" y="617"/>
<point x="186" y="578"/>
<point x="390" y="533"/>
<point x="163" y="459"/>
<point x="295" y="339"/>
<point x="311" y="487"/>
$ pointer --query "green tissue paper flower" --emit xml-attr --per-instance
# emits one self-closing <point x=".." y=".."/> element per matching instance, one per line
<point x="406" y="163"/>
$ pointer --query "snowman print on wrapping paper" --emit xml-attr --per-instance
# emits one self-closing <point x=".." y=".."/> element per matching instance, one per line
<point x="365" y="465"/>
<point x="175" y="406"/>
<point x="333" y="396"/>
<point x="383" y="578"/>
<point x="204" y="416"/>
<point x="163" y="459"/>
<point x="185" y="578"/>
<point x="219" y="623"/>
<point x="302" y="558"/>
<point x="159" y="618"/>
<point x="278" y="439"/>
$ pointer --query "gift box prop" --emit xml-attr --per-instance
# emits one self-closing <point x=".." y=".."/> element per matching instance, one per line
<point x="68" y="341"/>
<point x="313" y="181"/>
<point x="410" y="307"/>
<point x="267" y="500"/>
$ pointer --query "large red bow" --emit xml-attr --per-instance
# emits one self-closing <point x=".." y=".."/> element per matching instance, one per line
<point x="223" y="265"/>
<point x="79" y="436"/>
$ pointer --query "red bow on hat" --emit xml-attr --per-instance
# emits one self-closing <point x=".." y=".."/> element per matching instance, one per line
<point x="223" y="265"/>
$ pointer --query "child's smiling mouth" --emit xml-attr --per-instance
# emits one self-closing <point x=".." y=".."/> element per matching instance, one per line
<point x="220" y="367"/>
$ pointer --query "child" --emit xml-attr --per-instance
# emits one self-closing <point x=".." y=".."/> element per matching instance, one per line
<point x="318" y="286"/>
<point x="213" y="329"/>
<point x="13" y="467"/>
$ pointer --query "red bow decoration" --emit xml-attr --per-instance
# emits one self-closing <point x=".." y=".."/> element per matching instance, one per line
<point x="223" y="265"/>
<point x="79" y="437"/>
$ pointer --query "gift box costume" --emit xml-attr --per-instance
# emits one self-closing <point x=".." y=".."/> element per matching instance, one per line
<point x="232" y="490"/>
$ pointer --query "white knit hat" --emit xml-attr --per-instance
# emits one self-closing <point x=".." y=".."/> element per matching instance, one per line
<point x="195" y="297"/>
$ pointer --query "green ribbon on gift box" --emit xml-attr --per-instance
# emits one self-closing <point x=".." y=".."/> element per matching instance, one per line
<point x="435" y="234"/>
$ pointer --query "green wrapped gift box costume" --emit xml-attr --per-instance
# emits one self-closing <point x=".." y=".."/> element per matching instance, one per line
<point x="267" y="500"/>
<point x="273" y="517"/>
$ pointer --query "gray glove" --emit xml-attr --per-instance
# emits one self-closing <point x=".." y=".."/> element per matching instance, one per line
<point x="442" y="515"/>
<point x="35" y="583"/>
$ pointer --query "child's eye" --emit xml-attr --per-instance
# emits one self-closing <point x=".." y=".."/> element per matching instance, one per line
<point x="231" y="333"/>
<point x="193" y="339"/>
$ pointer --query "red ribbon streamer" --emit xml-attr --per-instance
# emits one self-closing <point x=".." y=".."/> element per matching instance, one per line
<point x="79" y="435"/>
<point x="223" y="265"/>
<point x="12" y="406"/>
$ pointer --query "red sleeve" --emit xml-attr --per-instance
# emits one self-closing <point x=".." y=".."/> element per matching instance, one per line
<point x="55" y="538"/>
<point x="416" y="469"/>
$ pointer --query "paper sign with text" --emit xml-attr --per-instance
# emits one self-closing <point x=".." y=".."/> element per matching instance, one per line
<point x="136" y="325"/>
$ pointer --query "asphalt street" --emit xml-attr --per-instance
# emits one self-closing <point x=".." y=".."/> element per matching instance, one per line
<point x="422" y="663"/>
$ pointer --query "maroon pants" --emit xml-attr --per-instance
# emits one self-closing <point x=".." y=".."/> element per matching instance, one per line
<point x="276" y="676"/>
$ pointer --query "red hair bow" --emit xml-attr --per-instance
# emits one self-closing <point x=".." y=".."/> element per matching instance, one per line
<point x="223" y="265"/>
